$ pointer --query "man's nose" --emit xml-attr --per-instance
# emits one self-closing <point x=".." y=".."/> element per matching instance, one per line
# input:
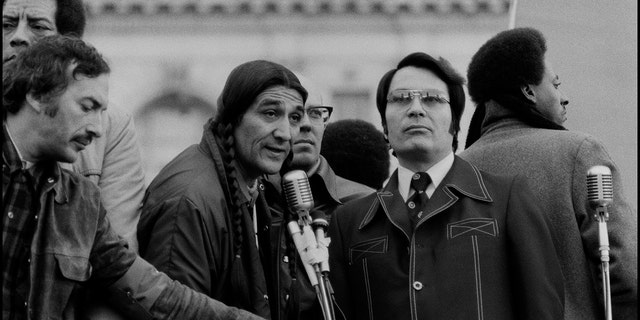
<point x="564" y="101"/>
<point x="21" y="37"/>
<point x="305" y="123"/>
<point x="285" y="130"/>
<point x="95" y="126"/>
<point x="416" y="108"/>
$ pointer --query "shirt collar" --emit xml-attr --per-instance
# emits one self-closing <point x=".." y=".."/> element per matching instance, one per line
<point x="328" y="178"/>
<point x="437" y="172"/>
<point x="248" y="191"/>
<point x="17" y="156"/>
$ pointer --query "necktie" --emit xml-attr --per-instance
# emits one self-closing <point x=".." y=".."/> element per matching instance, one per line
<point x="419" y="183"/>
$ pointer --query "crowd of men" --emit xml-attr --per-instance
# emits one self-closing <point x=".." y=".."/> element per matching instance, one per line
<point x="499" y="230"/>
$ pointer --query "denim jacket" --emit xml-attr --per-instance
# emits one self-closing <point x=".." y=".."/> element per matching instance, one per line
<point x="75" y="247"/>
<point x="113" y="163"/>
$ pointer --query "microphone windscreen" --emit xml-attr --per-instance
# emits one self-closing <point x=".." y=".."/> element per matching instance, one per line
<point x="599" y="186"/>
<point x="297" y="190"/>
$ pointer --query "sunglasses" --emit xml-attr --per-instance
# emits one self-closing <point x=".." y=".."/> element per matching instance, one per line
<point x="406" y="96"/>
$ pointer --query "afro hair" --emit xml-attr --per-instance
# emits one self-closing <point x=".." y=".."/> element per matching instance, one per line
<point x="510" y="59"/>
<point x="357" y="151"/>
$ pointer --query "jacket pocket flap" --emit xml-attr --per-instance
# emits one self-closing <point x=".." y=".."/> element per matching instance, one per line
<point x="368" y="247"/>
<point x="74" y="268"/>
<point x="473" y="226"/>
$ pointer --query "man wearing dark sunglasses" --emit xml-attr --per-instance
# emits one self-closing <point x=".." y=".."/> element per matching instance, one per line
<point x="442" y="239"/>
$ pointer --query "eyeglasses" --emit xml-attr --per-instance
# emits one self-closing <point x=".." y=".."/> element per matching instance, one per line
<point x="406" y="96"/>
<point x="319" y="114"/>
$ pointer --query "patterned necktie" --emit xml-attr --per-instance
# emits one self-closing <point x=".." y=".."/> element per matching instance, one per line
<point x="419" y="183"/>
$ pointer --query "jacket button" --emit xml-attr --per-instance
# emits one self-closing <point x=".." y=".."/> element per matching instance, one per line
<point x="50" y="180"/>
<point x="266" y="297"/>
<point x="417" y="285"/>
<point x="411" y="205"/>
<point x="285" y="259"/>
<point x="10" y="214"/>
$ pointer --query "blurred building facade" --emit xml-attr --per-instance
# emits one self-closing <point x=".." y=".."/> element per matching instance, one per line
<point x="170" y="58"/>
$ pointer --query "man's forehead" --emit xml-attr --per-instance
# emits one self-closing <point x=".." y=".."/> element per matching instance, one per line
<point x="41" y="9"/>
<point x="413" y="78"/>
<point x="96" y="87"/>
<point x="280" y="93"/>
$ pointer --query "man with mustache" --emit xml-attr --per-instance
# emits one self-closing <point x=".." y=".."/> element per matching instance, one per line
<point x="205" y="219"/>
<point x="442" y="240"/>
<point x="112" y="161"/>
<point x="56" y="239"/>
<point x="518" y="127"/>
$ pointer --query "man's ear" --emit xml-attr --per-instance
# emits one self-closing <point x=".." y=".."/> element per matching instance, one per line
<point x="528" y="92"/>
<point x="34" y="102"/>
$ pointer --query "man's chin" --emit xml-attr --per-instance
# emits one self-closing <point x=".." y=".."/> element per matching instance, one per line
<point x="68" y="157"/>
<point x="303" y="162"/>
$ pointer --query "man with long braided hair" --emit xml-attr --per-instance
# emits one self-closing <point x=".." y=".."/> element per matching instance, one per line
<point x="205" y="221"/>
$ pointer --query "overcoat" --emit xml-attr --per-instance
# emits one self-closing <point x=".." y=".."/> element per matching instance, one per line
<point x="482" y="250"/>
<point x="556" y="164"/>
<point x="186" y="230"/>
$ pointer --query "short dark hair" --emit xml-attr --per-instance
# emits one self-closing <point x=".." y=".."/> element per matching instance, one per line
<point x="42" y="69"/>
<point x="246" y="82"/>
<point x="443" y="69"/>
<point x="70" y="17"/>
<point x="506" y="62"/>
<point x="357" y="151"/>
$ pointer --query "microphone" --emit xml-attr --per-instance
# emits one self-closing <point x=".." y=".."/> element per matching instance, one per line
<point x="600" y="196"/>
<point x="599" y="187"/>
<point x="297" y="191"/>
<point x="312" y="248"/>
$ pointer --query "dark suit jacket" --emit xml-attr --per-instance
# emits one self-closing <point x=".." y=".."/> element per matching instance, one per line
<point x="482" y="250"/>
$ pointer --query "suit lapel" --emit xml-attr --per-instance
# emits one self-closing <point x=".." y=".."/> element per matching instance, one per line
<point x="463" y="180"/>
<point x="394" y="207"/>
<point x="463" y="177"/>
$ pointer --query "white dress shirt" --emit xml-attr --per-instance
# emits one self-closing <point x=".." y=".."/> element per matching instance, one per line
<point x="436" y="173"/>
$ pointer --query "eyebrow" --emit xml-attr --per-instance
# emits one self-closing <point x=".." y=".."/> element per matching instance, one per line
<point x="270" y="101"/>
<point x="96" y="103"/>
<point x="29" y="18"/>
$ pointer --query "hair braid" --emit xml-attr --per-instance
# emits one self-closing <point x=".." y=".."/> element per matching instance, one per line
<point x="225" y="132"/>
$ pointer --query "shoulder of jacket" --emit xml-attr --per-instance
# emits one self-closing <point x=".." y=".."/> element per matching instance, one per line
<point x="346" y="187"/>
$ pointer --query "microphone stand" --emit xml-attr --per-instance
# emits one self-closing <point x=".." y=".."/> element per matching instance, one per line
<point x="602" y="216"/>
<point x="313" y="257"/>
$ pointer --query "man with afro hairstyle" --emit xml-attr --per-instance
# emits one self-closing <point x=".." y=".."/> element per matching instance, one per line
<point x="517" y="128"/>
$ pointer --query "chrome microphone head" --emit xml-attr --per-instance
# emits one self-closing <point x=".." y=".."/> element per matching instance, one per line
<point x="599" y="186"/>
<point x="297" y="190"/>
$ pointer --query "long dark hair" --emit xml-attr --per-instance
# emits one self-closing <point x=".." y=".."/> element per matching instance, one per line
<point x="243" y="85"/>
